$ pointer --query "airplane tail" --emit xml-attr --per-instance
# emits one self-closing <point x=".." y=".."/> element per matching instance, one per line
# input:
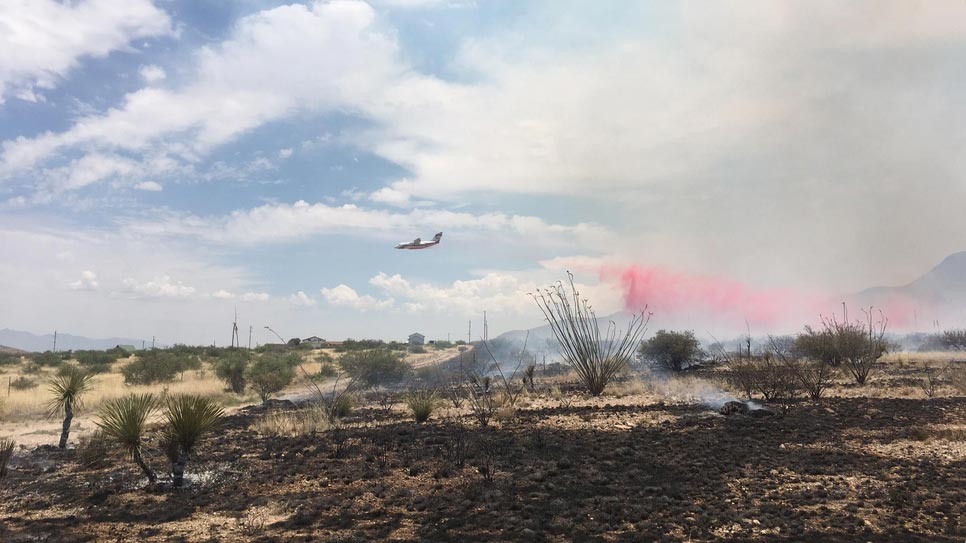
<point x="438" y="236"/>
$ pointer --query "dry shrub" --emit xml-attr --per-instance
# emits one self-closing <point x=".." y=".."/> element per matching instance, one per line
<point x="94" y="449"/>
<point x="293" y="423"/>
<point x="6" y="453"/>
<point x="933" y="434"/>
<point x="595" y="356"/>
<point x="957" y="378"/>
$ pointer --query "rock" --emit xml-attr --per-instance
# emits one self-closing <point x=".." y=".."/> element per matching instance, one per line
<point x="733" y="407"/>
<point x="760" y="413"/>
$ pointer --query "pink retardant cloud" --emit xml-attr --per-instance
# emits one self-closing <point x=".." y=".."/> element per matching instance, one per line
<point x="672" y="293"/>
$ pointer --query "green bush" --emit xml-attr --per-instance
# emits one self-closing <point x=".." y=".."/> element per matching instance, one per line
<point x="417" y="349"/>
<point x="375" y="367"/>
<point x="23" y="383"/>
<point x="47" y="359"/>
<point x="231" y="366"/>
<point x="671" y="350"/>
<point x="269" y="374"/>
<point x="9" y="359"/>
<point x="158" y="366"/>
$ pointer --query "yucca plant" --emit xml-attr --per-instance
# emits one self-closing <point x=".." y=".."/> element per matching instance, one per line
<point x="123" y="420"/>
<point x="421" y="403"/>
<point x="189" y="417"/>
<point x="6" y="453"/>
<point x="67" y="387"/>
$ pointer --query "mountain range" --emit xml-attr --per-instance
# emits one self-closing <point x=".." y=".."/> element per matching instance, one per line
<point x="25" y="341"/>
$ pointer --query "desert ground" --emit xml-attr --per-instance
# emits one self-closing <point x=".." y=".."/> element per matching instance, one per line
<point x="650" y="460"/>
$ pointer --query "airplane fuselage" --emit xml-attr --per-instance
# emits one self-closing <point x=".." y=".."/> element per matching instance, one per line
<point x="421" y="245"/>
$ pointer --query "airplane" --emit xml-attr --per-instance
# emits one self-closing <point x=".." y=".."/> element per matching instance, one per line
<point x="420" y="244"/>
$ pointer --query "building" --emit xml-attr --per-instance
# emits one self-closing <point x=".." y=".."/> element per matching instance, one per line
<point x="126" y="348"/>
<point x="416" y="338"/>
<point x="314" y="341"/>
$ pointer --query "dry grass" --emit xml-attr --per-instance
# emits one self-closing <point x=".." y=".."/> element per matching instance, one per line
<point x="22" y="405"/>
<point x="293" y="423"/>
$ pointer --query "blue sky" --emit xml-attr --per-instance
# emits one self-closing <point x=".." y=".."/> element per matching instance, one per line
<point x="165" y="162"/>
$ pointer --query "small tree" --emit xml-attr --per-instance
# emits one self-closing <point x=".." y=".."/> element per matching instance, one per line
<point x="374" y="367"/>
<point x="596" y="357"/>
<point x="67" y="387"/>
<point x="230" y="368"/>
<point x="189" y="418"/>
<point x="673" y="351"/>
<point x="814" y="374"/>
<point x="124" y="420"/>
<point x="269" y="374"/>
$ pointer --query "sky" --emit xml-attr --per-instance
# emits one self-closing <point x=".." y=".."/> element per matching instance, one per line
<point x="165" y="164"/>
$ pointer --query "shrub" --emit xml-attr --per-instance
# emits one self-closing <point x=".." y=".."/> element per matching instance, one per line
<point x="230" y="368"/>
<point x="341" y="406"/>
<point x="67" y="388"/>
<point x="9" y="359"/>
<point x="327" y="371"/>
<point x="595" y="357"/>
<point x="6" y="453"/>
<point x="269" y="374"/>
<point x="47" y="359"/>
<point x="293" y="423"/>
<point x="158" y="366"/>
<point x="857" y="346"/>
<point x="673" y="351"/>
<point x="123" y="420"/>
<point x="421" y="403"/>
<point x="189" y="418"/>
<point x="93" y="450"/>
<point x="374" y="367"/>
<point x="814" y="374"/>
<point x="23" y="383"/>
<point x="417" y="349"/>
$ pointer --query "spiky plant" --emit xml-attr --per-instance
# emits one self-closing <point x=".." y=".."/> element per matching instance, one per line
<point x="595" y="355"/>
<point x="67" y="387"/>
<point x="123" y="420"/>
<point x="421" y="403"/>
<point x="6" y="453"/>
<point x="189" y="417"/>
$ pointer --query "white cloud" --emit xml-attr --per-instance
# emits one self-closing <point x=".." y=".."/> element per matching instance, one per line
<point x="255" y="297"/>
<point x="285" y="153"/>
<point x="222" y="294"/>
<point x="270" y="68"/>
<point x="42" y="40"/>
<point x="391" y="196"/>
<point x="152" y="73"/>
<point x="345" y="296"/>
<point x="150" y="186"/>
<point x="300" y="298"/>
<point x="159" y="287"/>
<point x="286" y="222"/>
<point x="87" y="281"/>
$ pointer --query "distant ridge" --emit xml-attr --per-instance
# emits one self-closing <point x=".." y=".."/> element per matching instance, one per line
<point x="25" y="341"/>
<point x="937" y="295"/>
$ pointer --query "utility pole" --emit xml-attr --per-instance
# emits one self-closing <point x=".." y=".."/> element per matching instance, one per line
<point x="249" y="337"/>
<point x="486" y="327"/>
<point x="55" y="341"/>
<point x="152" y="343"/>
<point x="469" y="333"/>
